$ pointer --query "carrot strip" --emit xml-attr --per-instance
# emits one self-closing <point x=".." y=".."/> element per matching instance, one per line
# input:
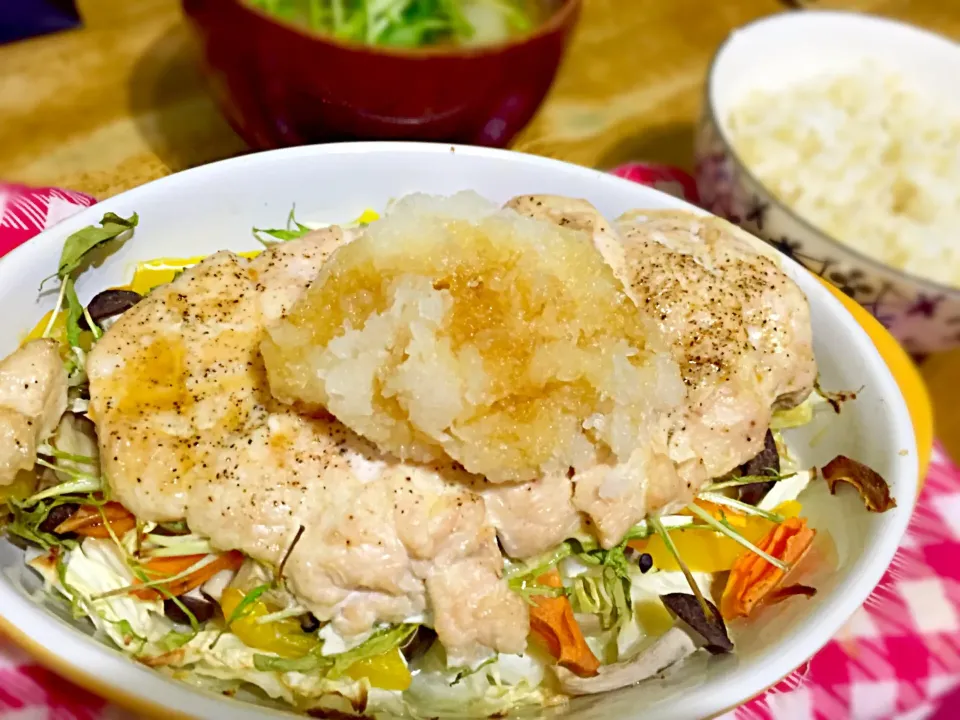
<point x="99" y="530"/>
<point x="162" y="567"/>
<point x="752" y="578"/>
<point x="159" y="568"/>
<point x="551" y="618"/>
<point x="91" y="515"/>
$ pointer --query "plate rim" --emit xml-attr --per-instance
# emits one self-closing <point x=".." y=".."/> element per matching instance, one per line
<point x="144" y="697"/>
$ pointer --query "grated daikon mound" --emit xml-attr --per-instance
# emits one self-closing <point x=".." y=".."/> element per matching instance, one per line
<point x="453" y="327"/>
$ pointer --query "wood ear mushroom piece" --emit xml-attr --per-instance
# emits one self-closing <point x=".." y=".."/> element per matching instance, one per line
<point x="108" y="306"/>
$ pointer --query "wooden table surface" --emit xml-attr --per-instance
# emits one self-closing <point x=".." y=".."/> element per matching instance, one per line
<point x="121" y="102"/>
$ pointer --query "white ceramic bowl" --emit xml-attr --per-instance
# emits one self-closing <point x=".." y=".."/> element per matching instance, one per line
<point x="792" y="47"/>
<point x="214" y="207"/>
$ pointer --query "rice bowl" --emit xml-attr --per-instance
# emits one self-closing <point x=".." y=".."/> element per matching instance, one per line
<point x="892" y="276"/>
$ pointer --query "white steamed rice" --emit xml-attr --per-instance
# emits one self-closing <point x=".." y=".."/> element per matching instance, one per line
<point x="866" y="160"/>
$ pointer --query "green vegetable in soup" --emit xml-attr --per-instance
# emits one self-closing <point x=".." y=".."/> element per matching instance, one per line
<point x="411" y="23"/>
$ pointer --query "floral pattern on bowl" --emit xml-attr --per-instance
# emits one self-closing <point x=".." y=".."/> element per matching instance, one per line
<point x="922" y="315"/>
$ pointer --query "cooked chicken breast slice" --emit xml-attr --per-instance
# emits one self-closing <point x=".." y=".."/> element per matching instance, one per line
<point x="172" y="378"/>
<point x="535" y="516"/>
<point x="474" y="612"/>
<point x="33" y="396"/>
<point x="188" y="429"/>
<point x="284" y="272"/>
<point x="576" y="214"/>
<point x="740" y="329"/>
<point x="376" y="531"/>
<point x="180" y="372"/>
<point x="738" y="326"/>
<point x="616" y="497"/>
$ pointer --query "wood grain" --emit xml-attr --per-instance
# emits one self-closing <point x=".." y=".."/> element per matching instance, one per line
<point x="120" y="101"/>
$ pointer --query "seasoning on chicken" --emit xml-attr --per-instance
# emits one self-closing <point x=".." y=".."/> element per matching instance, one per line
<point x="738" y="325"/>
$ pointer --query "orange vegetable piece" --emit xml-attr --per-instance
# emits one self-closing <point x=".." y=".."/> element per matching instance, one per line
<point x="704" y="549"/>
<point x="88" y="520"/>
<point x="551" y="619"/>
<point x="159" y="568"/>
<point x="99" y="530"/>
<point x="752" y="578"/>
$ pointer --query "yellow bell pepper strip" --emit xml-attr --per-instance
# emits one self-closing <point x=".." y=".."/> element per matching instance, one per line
<point x="150" y="274"/>
<point x="388" y="671"/>
<point x="283" y="637"/>
<point x="378" y="660"/>
<point x="21" y="488"/>
<point x="366" y="217"/>
<point x="58" y="332"/>
<point x="705" y="550"/>
<point x="752" y="578"/>
<point x="552" y="620"/>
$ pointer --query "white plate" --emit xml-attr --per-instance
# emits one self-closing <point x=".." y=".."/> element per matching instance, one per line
<point x="214" y="207"/>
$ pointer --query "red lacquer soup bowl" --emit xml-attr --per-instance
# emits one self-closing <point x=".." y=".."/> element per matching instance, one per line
<point x="280" y="85"/>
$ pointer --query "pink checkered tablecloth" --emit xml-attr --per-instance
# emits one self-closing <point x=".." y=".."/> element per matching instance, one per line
<point x="898" y="658"/>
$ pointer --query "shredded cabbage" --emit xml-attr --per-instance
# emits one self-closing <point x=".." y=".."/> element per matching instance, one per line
<point x="508" y="684"/>
<point x="785" y="490"/>
<point x="28" y="515"/>
<point x="140" y="628"/>
<point x="796" y="416"/>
